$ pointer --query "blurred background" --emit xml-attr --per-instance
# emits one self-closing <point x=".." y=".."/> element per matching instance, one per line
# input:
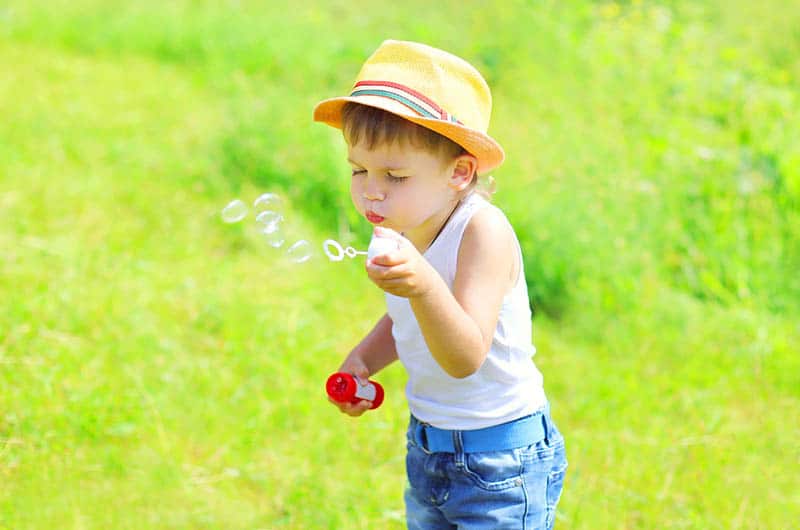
<point x="162" y="369"/>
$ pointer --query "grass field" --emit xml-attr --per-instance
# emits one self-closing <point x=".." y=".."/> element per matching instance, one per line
<point x="162" y="369"/>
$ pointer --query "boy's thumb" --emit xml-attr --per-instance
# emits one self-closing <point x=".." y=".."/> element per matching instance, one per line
<point x="362" y="375"/>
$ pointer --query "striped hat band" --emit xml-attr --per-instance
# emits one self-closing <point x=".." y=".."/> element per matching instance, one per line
<point x="420" y="104"/>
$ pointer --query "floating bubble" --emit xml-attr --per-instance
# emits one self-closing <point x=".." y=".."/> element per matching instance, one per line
<point x="299" y="252"/>
<point x="268" y="201"/>
<point x="234" y="212"/>
<point x="270" y="220"/>
<point x="274" y="238"/>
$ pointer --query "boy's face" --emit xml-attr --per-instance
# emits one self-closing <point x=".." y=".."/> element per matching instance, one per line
<point x="405" y="188"/>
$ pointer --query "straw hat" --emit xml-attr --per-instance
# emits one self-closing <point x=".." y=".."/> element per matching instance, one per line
<point x="429" y="87"/>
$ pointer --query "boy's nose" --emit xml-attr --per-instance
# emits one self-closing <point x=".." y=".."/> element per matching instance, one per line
<point x="373" y="195"/>
<point x="372" y="192"/>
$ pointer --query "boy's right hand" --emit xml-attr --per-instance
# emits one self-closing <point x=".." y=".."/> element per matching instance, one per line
<point x="352" y="409"/>
<point x="361" y="373"/>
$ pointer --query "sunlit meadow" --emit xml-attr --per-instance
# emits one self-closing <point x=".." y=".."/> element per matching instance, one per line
<point x="160" y="368"/>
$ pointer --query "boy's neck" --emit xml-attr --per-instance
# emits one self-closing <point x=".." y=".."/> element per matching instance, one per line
<point x="424" y="241"/>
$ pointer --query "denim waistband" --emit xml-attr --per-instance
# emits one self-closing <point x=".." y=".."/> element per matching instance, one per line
<point x="521" y="432"/>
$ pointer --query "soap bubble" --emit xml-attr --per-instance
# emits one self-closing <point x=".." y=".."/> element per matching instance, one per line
<point x="271" y="227"/>
<point x="270" y="220"/>
<point x="270" y="224"/>
<point x="234" y="212"/>
<point x="268" y="201"/>
<point x="299" y="252"/>
<point x="274" y="238"/>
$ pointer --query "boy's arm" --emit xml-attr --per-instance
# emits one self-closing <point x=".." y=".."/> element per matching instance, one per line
<point x="375" y="351"/>
<point x="458" y="326"/>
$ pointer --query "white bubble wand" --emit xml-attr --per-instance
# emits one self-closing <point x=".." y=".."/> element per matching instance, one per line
<point x="377" y="247"/>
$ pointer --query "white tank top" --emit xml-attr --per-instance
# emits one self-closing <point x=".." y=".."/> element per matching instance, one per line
<point x="507" y="386"/>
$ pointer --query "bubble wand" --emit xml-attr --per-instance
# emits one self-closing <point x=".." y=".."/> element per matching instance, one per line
<point x="377" y="246"/>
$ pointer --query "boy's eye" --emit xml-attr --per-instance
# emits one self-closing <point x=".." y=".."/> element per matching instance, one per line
<point x="358" y="172"/>
<point x="395" y="178"/>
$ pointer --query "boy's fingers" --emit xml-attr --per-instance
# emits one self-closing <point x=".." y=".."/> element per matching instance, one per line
<point x="400" y="273"/>
<point x="352" y="409"/>
<point x="356" y="409"/>
<point x="361" y="407"/>
<point x="362" y="375"/>
<point x="379" y="270"/>
<point x="386" y="261"/>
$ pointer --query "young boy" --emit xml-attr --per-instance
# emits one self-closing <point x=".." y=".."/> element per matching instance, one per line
<point x="483" y="451"/>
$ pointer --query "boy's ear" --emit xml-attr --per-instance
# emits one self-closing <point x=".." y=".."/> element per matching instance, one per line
<point x="464" y="170"/>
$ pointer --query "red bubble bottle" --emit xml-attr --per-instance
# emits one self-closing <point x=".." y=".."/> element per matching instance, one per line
<point x="344" y="388"/>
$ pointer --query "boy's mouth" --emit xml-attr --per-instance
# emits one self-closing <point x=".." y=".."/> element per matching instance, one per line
<point x="373" y="218"/>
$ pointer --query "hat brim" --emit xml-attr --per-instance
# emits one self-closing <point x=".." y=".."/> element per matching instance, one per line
<point x="488" y="152"/>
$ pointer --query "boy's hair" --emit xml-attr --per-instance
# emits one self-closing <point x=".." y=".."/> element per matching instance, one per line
<point x="374" y="126"/>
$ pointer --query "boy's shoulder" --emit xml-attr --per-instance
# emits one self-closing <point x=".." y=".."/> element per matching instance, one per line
<point x="489" y="224"/>
<point x="488" y="263"/>
<point x="488" y="235"/>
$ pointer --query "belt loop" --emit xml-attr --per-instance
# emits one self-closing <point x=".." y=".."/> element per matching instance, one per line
<point x="422" y="438"/>
<point x="458" y="445"/>
<point x="546" y="425"/>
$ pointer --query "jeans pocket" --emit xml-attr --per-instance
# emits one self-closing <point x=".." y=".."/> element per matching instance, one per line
<point x="494" y="470"/>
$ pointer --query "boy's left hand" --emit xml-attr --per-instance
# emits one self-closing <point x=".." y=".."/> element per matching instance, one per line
<point x="403" y="272"/>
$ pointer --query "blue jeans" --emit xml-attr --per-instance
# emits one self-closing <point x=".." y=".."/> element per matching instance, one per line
<point x="514" y="488"/>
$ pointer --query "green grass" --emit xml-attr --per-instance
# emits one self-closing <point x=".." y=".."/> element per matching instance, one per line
<point x="161" y="369"/>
